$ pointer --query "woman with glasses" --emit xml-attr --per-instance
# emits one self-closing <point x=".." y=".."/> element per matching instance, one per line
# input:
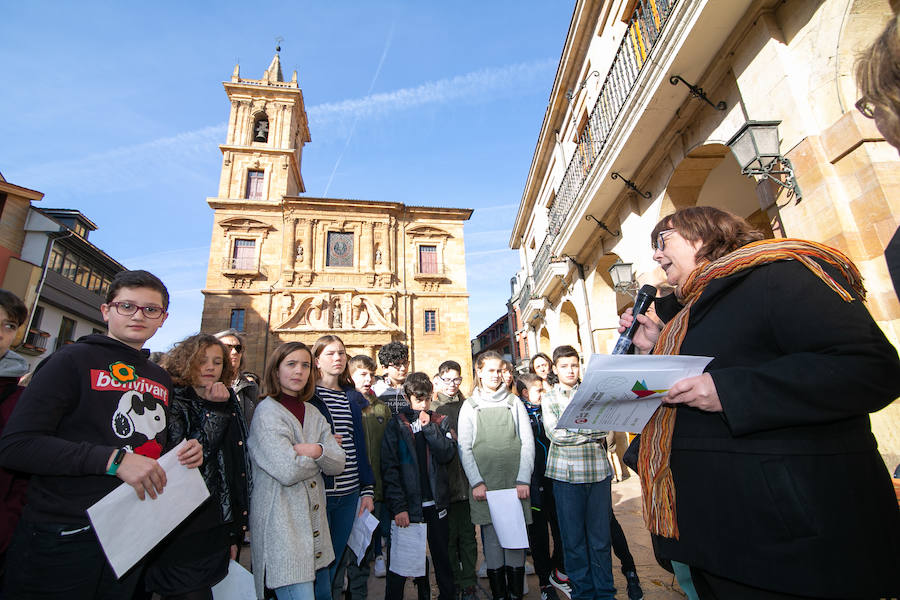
<point x="762" y="472"/>
<point x="244" y="384"/>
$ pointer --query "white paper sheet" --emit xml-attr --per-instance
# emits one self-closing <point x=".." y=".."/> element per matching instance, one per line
<point x="621" y="392"/>
<point x="128" y="528"/>
<point x="361" y="534"/>
<point x="507" y="518"/>
<point x="408" y="549"/>
<point x="237" y="585"/>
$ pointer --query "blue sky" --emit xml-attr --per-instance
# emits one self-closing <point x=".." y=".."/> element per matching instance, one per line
<point x="117" y="109"/>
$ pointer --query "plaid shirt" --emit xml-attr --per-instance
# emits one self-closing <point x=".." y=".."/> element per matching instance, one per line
<point x="576" y="455"/>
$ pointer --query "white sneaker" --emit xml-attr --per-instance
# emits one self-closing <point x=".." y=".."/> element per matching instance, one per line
<point x="525" y="587"/>
<point x="482" y="570"/>
<point x="529" y="568"/>
<point x="561" y="582"/>
<point x="380" y="569"/>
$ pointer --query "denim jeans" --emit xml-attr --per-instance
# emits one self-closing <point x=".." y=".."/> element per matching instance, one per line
<point x="584" y="517"/>
<point x="341" y="511"/>
<point x="46" y="560"/>
<point x="296" y="591"/>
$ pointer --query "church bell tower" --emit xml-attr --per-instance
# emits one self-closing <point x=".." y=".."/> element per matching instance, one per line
<point x="267" y="129"/>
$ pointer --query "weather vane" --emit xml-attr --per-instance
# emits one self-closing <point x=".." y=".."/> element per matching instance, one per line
<point x="278" y="41"/>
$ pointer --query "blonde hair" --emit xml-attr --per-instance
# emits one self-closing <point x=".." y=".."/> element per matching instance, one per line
<point x="479" y="364"/>
<point x="878" y="69"/>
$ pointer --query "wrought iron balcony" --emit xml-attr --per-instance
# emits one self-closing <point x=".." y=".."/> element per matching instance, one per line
<point x="524" y="295"/>
<point x="644" y="28"/>
<point x="36" y="341"/>
<point x="242" y="267"/>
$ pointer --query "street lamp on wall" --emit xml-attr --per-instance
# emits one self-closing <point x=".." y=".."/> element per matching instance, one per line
<point x="757" y="148"/>
<point x="623" y="278"/>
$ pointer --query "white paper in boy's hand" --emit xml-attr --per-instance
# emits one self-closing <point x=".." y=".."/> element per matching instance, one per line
<point x="507" y="518"/>
<point x="128" y="527"/>
<point x="408" y="549"/>
<point x="361" y="534"/>
<point x="380" y="387"/>
<point x="237" y="585"/>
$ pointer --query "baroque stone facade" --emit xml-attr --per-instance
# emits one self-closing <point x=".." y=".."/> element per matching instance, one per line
<point x="285" y="267"/>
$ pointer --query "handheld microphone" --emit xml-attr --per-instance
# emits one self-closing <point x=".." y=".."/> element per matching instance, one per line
<point x="645" y="296"/>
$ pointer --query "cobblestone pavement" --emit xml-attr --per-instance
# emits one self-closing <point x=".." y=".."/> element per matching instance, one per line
<point x="658" y="584"/>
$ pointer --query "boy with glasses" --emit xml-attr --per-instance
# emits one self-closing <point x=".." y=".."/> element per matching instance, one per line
<point x="93" y="415"/>
<point x="463" y="547"/>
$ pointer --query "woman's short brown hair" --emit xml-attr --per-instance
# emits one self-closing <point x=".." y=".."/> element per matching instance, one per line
<point x="271" y="384"/>
<point x="719" y="231"/>
<point x="183" y="361"/>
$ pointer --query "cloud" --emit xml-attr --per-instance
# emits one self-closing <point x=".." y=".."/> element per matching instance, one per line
<point x="476" y="84"/>
<point x="188" y="155"/>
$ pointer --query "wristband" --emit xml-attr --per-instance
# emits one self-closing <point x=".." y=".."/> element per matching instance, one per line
<point x="117" y="460"/>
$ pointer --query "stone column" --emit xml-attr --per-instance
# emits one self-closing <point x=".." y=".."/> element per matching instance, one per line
<point x="367" y="247"/>
<point x="287" y="249"/>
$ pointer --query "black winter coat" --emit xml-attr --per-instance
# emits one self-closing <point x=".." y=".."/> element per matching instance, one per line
<point x="400" y="465"/>
<point x="220" y="429"/>
<point x="785" y="489"/>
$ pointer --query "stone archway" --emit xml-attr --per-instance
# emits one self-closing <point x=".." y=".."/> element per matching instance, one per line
<point x="606" y="304"/>
<point x="544" y="341"/>
<point x="568" y="332"/>
<point x="710" y="176"/>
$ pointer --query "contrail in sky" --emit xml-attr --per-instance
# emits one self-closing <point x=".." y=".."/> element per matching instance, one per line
<point x="387" y="46"/>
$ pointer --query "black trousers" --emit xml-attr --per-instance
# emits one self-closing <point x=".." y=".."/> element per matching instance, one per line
<point x="713" y="587"/>
<point x="539" y="539"/>
<point x="619" y="544"/>
<point x="438" y="544"/>
<point x="51" y="561"/>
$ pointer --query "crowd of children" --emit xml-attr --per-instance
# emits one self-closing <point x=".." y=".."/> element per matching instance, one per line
<point x="324" y="441"/>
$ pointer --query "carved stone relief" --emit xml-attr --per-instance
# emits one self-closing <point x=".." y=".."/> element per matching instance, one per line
<point x="324" y="311"/>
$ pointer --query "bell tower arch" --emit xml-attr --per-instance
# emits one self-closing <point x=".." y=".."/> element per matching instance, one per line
<point x="267" y="129"/>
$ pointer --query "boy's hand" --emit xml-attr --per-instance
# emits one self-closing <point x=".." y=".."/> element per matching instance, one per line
<point x="338" y="438"/>
<point x="143" y="474"/>
<point x="522" y="491"/>
<point x="217" y="392"/>
<point x="402" y="519"/>
<point x="424" y="418"/>
<point x="233" y="552"/>
<point x="191" y="455"/>
<point x="366" y="503"/>
<point x="479" y="492"/>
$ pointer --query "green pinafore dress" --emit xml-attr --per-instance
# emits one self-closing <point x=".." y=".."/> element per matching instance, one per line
<point x="496" y="450"/>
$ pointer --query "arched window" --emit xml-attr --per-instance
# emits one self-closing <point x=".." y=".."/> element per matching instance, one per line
<point x="261" y="128"/>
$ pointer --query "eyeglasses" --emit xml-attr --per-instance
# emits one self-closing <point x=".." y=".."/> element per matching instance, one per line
<point x="455" y="380"/>
<point x="660" y="240"/>
<point x="126" y="309"/>
<point x="866" y="107"/>
<point x="398" y="365"/>
<point x="236" y="347"/>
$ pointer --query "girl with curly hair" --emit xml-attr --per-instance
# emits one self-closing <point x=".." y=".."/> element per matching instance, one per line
<point x="203" y="407"/>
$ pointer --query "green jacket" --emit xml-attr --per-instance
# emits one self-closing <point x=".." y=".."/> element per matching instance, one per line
<point x="459" y="483"/>
<point x="375" y="418"/>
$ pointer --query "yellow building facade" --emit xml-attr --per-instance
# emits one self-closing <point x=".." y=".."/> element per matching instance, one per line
<point x="285" y="267"/>
<point x="651" y="92"/>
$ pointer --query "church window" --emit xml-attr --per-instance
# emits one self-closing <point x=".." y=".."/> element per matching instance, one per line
<point x="237" y="319"/>
<point x="243" y="256"/>
<point x="255" y="184"/>
<point x="261" y="129"/>
<point x="428" y="262"/>
<point x="430" y="321"/>
<point x="340" y="249"/>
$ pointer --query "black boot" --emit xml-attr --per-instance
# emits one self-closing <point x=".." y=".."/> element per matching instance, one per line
<point x="515" y="582"/>
<point x="497" y="579"/>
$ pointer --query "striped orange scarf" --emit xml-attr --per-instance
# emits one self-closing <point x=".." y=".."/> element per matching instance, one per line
<point x="656" y="440"/>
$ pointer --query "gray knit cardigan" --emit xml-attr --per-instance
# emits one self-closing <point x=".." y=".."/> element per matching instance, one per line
<point x="291" y="539"/>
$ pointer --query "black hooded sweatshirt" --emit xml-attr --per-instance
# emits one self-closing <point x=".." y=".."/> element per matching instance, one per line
<point x="84" y="401"/>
